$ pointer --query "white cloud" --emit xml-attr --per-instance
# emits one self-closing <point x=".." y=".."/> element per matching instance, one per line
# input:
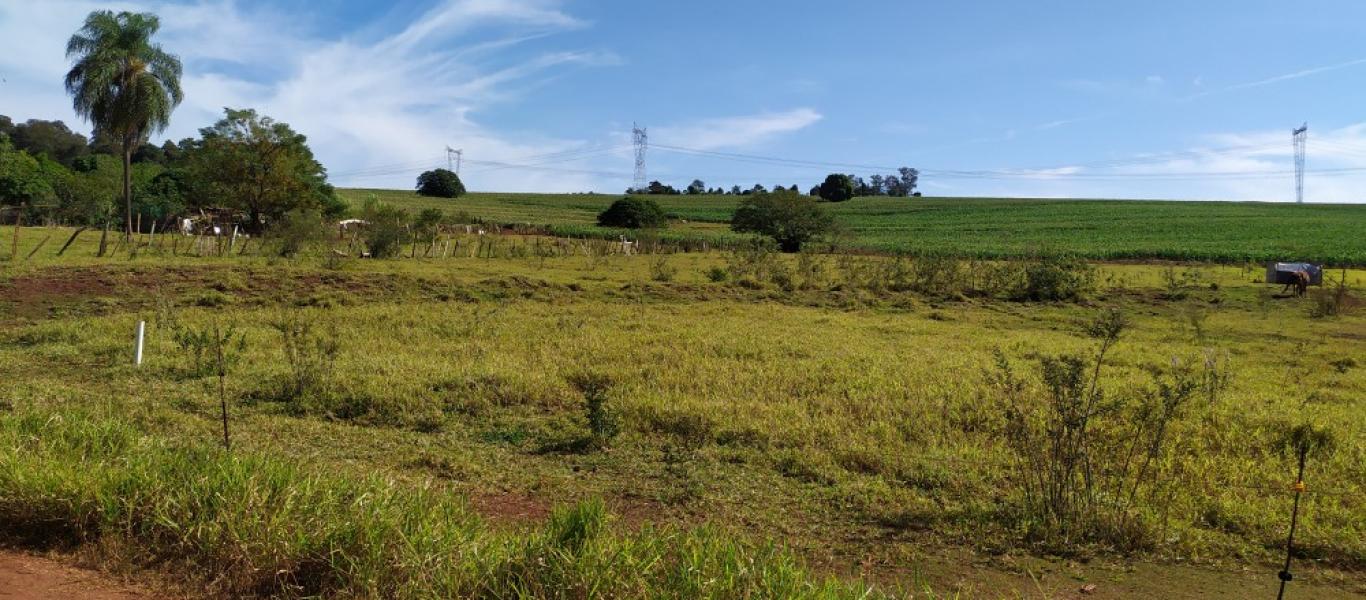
<point x="735" y="132"/>
<point x="1154" y="80"/>
<point x="1230" y="166"/>
<point x="398" y="99"/>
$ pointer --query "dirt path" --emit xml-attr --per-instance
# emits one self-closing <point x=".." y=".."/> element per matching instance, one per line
<point x="28" y="577"/>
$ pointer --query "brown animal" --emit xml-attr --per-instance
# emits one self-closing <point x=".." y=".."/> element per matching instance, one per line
<point x="1301" y="284"/>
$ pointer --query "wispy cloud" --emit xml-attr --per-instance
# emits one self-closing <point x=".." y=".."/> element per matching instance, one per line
<point x="454" y="17"/>
<point x="1276" y="79"/>
<point x="1252" y="165"/>
<point x="735" y="132"/>
<point x="1064" y="122"/>
<point x="363" y="103"/>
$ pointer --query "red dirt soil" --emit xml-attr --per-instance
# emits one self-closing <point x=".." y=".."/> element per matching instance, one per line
<point x="29" y="577"/>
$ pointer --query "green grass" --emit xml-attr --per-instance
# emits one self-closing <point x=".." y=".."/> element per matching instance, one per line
<point x="250" y="524"/>
<point x="1230" y="232"/>
<point x="851" y="424"/>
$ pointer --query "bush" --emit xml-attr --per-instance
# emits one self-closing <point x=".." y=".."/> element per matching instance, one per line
<point x="296" y="230"/>
<point x="661" y="270"/>
<point x="1093" y="465"/>
<point x="789" y="218"/>
<point x="1056" y="278"/>
<point x="1335" y="300"/>
<point x="311" y="353"/>
<point x="603" y="422"/>
<point x="634" y="213"/>
<point x="440" y="183"/>
<point x="387" y="229"/>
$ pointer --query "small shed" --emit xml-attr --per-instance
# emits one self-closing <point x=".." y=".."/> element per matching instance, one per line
<point x="1283" y="273"/>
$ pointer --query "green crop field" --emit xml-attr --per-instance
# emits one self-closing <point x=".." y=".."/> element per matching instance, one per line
<point x="1229" y="232"/>
<point x="537" y="417"/>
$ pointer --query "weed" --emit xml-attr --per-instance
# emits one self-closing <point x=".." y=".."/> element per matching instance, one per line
<point x="311" y="354"/>
<point x="603" y="422"/>
<point x="661" y="270"/>
<point x="1336" y="301"/>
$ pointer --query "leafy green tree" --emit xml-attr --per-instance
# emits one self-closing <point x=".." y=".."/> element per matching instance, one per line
<point x="48" y="138"/>
<point x="257" y="165"/>
<point x="22" y="179"/>
<point x="440" y="183"/>
<point x="165" y="195"/>
<point x="837" y="187"/>
<point x="149" y="153"/>
<point x="659" y="189"/>
<point x="123" y="82"/>
<point x="634" y="213"/>
<point x="876" y="185"/>
<point x="790" y="219"/>
<point x="92" y="194"/>
<point x="902" y="183"/>
<point x="697" y="187"/>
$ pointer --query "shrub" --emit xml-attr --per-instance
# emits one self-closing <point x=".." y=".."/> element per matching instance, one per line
<point x="634" y="213"/>
<point x="440" y="183"/>
<point x="297" y="230"/>
<point x="1095" y="466"/>
<point x="312" y="356"/>
<point x="1334" y="300"/>
<point x="387" y="229"/>
<point x="661" y="270"/>
<point x="1056" y="278"/>
<point x="603" y="422"/>
<point x="789" y="218"/>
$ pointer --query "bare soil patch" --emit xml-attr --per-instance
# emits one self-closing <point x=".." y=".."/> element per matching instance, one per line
<point x="29" y="577"/>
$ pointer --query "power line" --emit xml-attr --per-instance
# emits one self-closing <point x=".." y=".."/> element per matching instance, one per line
<point x="543" y="168"/>
<point x="1037" y="173"/>
<point x="559" y="157"/>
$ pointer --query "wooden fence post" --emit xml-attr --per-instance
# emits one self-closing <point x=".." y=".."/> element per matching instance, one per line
<point x="104" y="240"/>
<point x="14" y="243"/>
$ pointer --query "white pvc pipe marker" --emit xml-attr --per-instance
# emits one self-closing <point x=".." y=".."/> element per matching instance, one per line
<point x="137" y="351"/>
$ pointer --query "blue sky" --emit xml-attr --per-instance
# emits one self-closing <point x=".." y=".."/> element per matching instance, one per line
<point x="1047" y="98"/>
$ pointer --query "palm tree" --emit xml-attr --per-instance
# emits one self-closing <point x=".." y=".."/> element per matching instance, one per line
<point x="122" y="82"/>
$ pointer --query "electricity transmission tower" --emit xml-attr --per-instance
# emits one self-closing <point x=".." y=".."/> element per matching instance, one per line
<point x="642" y="142"/>
<point x="1299" y="137"/>
<point x="459" y="156"/>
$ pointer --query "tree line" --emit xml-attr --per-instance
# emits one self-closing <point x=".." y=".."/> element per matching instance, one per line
<point x="837" y="187"/>
<point x="245" y="162"/>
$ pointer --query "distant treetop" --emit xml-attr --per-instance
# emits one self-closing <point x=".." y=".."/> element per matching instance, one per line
<point x="440" y="183"/>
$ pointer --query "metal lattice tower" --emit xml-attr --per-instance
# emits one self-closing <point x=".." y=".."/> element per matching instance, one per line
<point x="1299" y="137"/>
<point x="459" y="157"/>
<point x="642" y="143"/>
